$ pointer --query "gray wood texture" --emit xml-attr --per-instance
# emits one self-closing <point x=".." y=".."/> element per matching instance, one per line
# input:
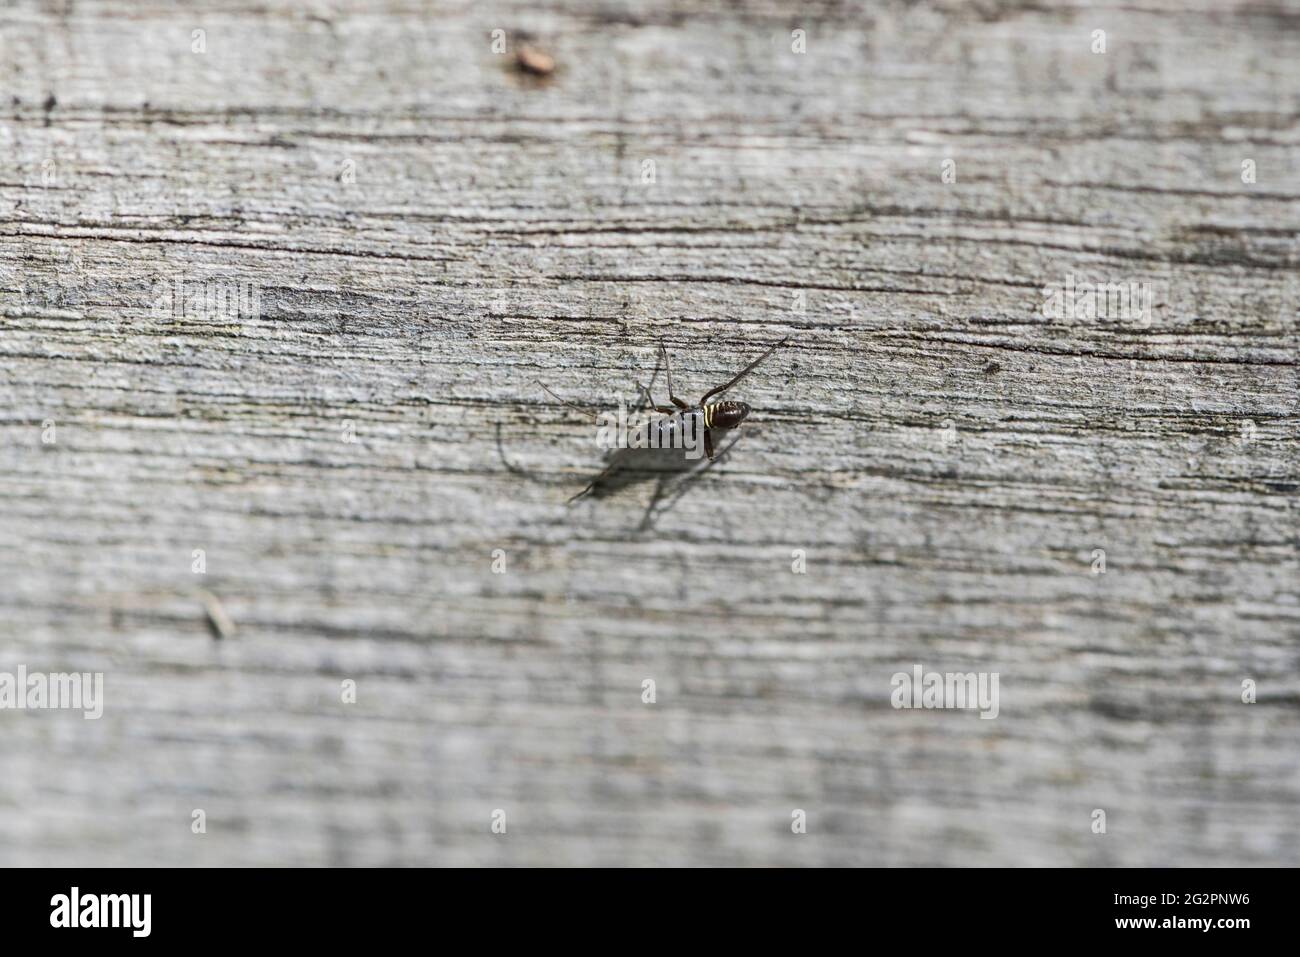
<point x="430" y="231"/>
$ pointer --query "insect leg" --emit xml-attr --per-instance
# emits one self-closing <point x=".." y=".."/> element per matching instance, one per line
<point x="743" y="372"/>
<point x="647" y="399"/>
<point x="568" y="403"/>
<point x="668" y="369"/>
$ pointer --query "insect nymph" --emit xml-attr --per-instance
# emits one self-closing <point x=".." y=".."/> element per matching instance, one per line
<point x="660" y="448"/>
<point x="704" y="417"/>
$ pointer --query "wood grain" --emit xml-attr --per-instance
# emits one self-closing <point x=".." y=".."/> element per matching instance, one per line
<point x="431" y="231"/>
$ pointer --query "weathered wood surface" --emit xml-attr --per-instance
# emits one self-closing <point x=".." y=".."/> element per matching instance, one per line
<point x="948" y="458"/>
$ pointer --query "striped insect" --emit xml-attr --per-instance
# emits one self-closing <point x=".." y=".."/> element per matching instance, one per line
<point x="670" y="444"/>
<point x="704" y="417"/>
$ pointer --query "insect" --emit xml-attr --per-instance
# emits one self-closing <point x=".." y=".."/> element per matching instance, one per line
<point x="705" y="416"/>
<point x="670" y="444"/>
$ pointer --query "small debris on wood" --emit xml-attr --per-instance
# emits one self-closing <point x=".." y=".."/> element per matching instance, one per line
<point x="993" y="367"/>
<point x="218" y="620"/>
<point x="534" y="61"/>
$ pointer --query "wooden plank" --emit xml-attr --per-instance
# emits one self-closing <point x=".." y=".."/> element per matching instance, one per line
<point x="423" y="233"/>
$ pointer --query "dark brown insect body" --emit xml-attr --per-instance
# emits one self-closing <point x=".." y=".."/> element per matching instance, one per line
<point x="725" y="415"/>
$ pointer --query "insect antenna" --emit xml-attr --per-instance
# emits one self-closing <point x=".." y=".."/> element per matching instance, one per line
<point x="743" y="372"/>
<point x="568" y="403"/>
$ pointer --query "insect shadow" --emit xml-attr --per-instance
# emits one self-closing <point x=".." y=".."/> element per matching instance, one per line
<point x="672" y="470"/>
<point x="665" y="451"/>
